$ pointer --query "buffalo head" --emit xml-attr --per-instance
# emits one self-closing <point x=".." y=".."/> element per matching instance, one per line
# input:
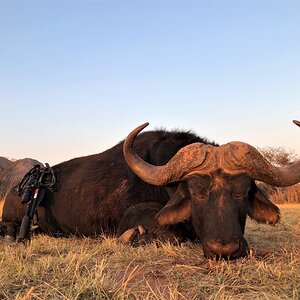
<point x="214" y="188"/>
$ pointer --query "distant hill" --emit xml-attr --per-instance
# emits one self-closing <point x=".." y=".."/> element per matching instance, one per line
<point x="11" y="172"/>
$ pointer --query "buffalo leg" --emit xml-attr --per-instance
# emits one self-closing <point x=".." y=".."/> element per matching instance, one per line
<point x="139" y="226"/>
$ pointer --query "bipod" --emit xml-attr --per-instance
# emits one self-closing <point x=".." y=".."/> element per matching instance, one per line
<point x="32" y="205"/>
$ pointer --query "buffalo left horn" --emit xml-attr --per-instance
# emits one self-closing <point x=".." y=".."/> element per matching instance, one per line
<point x="186" y="159"/>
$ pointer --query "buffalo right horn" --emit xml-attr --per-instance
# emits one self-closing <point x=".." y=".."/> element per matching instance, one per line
<point x="296" y="122"/>
<point x="242" y="157"/>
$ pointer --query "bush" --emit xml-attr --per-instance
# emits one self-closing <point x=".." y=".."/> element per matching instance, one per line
<point x="280" y="157"/>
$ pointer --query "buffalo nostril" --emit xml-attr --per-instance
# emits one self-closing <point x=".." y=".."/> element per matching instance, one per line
<point x="219" y="248"/>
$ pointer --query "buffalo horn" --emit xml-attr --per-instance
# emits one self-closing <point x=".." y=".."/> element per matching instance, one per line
<point x="233" y="158"/>
<point x="296" y="122"/>
<point x="243" y="157"/>
<point x="188" y="158"/>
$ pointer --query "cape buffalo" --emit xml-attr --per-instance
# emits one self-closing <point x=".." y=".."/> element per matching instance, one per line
<point x="164" y="185"/>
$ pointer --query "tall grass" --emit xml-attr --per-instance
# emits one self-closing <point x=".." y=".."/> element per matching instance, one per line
<point x="290" y="194"/>
<point x="73" y="268"/>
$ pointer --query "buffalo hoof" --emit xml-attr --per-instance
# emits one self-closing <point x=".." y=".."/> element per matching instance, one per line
<point x="132" y="235"/>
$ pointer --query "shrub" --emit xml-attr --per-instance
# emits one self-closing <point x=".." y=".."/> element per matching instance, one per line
<point x="280" y="157"/>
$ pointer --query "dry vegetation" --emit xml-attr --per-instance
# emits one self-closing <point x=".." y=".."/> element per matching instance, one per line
<point x="73" y="268"/>
<point x="290" y="194"/>
<point x="280" y="157"/>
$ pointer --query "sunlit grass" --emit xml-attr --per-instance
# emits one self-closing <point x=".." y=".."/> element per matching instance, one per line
<point x="73" y="268"/>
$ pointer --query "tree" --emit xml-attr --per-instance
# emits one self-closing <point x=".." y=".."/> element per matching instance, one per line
<point x="280" y="157"/>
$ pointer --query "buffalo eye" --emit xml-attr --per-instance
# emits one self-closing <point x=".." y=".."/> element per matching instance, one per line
<point x="240" y="187"/>
<point x="199" y="197"/>
<point x="198" y="187"/>
<point x="240" y="196"/>
<point x="241" y="193"/>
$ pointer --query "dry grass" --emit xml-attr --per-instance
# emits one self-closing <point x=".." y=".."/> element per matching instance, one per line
<point x="290" y="194"/>
<point x="71" y="268"/>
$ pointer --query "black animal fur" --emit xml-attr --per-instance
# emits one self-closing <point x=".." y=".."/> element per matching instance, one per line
<point x="100" y="194"/>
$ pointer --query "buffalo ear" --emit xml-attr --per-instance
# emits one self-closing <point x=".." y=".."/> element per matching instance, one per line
<point x="261" y="208"/>
<point x="178" y="209"/>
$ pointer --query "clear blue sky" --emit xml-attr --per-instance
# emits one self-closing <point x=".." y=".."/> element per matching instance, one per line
<point x="77" y="76"/>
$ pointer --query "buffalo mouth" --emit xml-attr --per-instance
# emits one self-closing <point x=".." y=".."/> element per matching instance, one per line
<point x="216" y="249"/>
